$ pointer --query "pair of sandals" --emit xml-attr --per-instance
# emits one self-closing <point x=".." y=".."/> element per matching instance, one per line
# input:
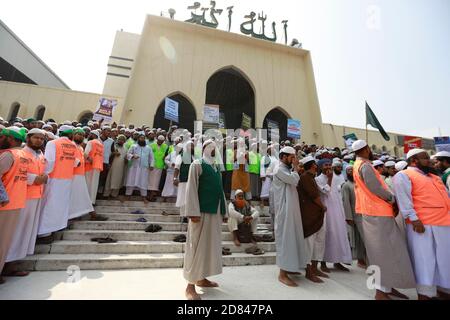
<point x="138" y="212"/>
<point x="226" y="252"/>
<point x="143" y="220"/>
<point x="264" y="238"/>
<point x="180" y="238"/>
<point x="254" y="250"/>
<point x="104" y="240"/>
<point x="153" y="228"/>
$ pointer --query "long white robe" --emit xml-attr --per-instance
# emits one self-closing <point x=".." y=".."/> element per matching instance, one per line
<point x="24" y="239"/>
<point x="80" y="200"/>
<point x="138" y="174"/>
<point x="114" y="180"/>
<point x="92" y="177"/>
<point x="56" y="200"/>
<point x="170" y="190"/>
<point x="337" y="245"/>
<point x="268" y="174"/>
<point x="203" y="256"/>
<point x="290" y="242"/>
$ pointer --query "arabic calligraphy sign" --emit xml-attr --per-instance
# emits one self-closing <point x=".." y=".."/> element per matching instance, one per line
<point x="247" y="27"/>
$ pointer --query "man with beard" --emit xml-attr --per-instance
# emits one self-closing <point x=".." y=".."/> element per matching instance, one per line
<point x="289" y="238"/>
<point x="132" y="139"/>
<point x="390" y="173"/>
<point x="141" y="161"/>
<point x="13" y="171"/>
<point x="114" y="180"/>
<point x="443" y="164"/>
<point x="337" y="247"/>
<point x="160" y="150"/>
<point x="94" y="154"/>
<point x="313" y="219"/>
<point x="386" y="247"/>
<point x="61" y="161"/>
<point x="206" y="210"/>
<point x="80" y="202"/>
<point x="425" y="204"/>
<point x="24" y="240"/>
<point x="353" y="220"/>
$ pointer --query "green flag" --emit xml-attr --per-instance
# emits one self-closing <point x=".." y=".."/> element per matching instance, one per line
<point x="373" y="121"/>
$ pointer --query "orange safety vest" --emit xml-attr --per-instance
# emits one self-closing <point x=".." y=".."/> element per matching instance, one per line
<point x="96" y="154"/>
<point x="366" y="202"/>
<point x="80" y="170"/>
<point x="35" y="166"/>
<point x="64" y="160"/>
<point x="15" y="181"/>
<point x="430" y="199"/>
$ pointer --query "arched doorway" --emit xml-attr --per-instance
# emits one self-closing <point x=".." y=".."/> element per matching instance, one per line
<point x="186" y="114"/>
<point x="85" y="117"/>
<point x="39" y="114"/>
<point x="277" y="117"/>
<point x="231" y="89"/>
<point x="13" y="111"/>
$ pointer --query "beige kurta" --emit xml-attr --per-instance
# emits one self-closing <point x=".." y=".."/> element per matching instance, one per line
<point x="8" y="224"/>
<point x="203" y="256"/>
<point x="114" y="181"/>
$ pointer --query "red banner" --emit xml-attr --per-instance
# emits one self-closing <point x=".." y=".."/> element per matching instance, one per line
<point x="412" y="143"/>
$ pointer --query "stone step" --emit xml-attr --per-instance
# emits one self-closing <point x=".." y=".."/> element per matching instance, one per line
<point x="135" y="226"/>
<point x="132" y="247"/>
<point x="155" y="210"/>
<point x="154" y="217"/>
<point x="87" y="235"/>
<point x="61" y="262"/>
<point x="142" y="204"/>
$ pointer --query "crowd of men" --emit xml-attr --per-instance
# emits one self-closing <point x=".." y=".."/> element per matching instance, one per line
<point x="327" y="206"/>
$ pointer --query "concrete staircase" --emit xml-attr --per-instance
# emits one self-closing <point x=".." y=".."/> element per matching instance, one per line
<point x="135" y="248"/>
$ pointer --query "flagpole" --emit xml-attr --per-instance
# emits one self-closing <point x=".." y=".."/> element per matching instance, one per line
<point x="367" y="135"/>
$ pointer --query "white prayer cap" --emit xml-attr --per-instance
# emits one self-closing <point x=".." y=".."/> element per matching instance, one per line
<point x="414" y="152"/>
<point x="348" y="157"/>
<point x="288" y="150"/>
<point x="377" y="163"/>
<point x="50" y="135"/>
<point x="337" y="163"/>
<point x="161" y="138"/>
<point x="18" y="124"/>
<point x="384" y="158"/>
<point x="389" y="164"/>
<point x="307" y="159"/>
<point x="443" y="154"/>
<point x="67" y="123"/>
<point x="350" y="166"/>
<point x="96" y="132"/>
<point x="45" y="126"/>
<point x="210" y="141"/>
<point x="239" y="191"/>
<point x="358" y="145"/>
<point x="401" y="165"/>
<point x="336" y="159"/>
<point x="65" y="127"/>
<point x="344" y="152"/>
<point x="36" y="131"/>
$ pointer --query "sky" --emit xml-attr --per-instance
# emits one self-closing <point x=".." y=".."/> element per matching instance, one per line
<point x="392" y="53"/>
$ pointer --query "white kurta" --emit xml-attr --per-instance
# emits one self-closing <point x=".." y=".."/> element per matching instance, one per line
<point x="138" y="174"/>
<point x="56" y="200"/>
<point x="203" y="256"/>
<point x="154" y="179"/>
<point x="114" y="180"/>
<point x="337" y="245"/>
<point x="80" y="200"/>
<point x="24" y="239"/>
<point x="290" y="242"/>
<point x="92" y="179"/>
<point x="268" y="174"/>
<point x="170" y="190"/>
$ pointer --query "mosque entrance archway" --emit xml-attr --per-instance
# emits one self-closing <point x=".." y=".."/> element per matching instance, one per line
<point x="186" y="114"/>
<point x="277" y="117"/>
<point x="232" y="90"/>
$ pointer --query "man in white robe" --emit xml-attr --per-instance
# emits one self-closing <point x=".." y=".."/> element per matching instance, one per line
<point x="424" y="201"/>
<point x="93" y="174"/>
<point x="337" y="245"/>
<point x="206" y="209"/>
<point x="290" y="243"/>
<point x="141" y="157"/>
<point x="56" y="200"/>
<point x="80" y="200"/>
<point x="114" y="181"/>
<point x="170" y="190"/>
<point x="24" y="239"/>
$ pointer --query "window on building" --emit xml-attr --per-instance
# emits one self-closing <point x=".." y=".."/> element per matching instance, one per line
<point x="13" y="111"/>
<point x="39" y="114"/>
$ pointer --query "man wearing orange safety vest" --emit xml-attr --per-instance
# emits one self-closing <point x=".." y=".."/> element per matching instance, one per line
<point x="386" y="247"/>
<point x="24" y="240"/>
<point x="61" y="161"/>
<point x="425" y="204"/>
<point x="94" y="163"/>
<point x="13" y="172"/>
